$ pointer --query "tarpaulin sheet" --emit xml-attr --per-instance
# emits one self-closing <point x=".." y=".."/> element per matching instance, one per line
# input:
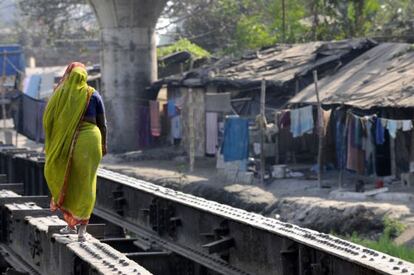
<point x="381" y="77"/>
<point x="15" y="62"/>
<point x="28" y="120"/>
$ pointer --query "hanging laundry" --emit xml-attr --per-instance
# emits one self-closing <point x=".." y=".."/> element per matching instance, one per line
<point x="176" y="128"/>
<point x="284" y="119"/>
<point x="144" y="132"/>
<point x="155" y="118"/>
<point x="236" y="139"/>
<point x="379" y="132"/>
<point x="407" y="125"/>
<point x="357" y="132"/>
<point x="172" y="111"/>
<point x="369" y="148"/>
<point x="392" y="127"/>
<point x="340" y="144"/>
<point x="301" y="121"/>
<point x="340" y="118"/>
<point x="295" y="123"/>
<point x="306" y="120"/>
<point x="326" y="116"/>
<point x="355" y="156"/>
<point x="211" y="133"/>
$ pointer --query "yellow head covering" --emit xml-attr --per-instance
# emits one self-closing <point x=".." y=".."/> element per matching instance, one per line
<point x="61" y="121"/>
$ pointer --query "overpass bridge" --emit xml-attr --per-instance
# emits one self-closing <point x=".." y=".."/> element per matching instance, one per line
<point x="128" y="62"/>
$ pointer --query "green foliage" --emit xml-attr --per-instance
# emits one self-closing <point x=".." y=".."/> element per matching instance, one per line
<point x="232" y="26"/>
<point x="183" y="45"/>
<point x="392" y="227"/>
<point x="385" y="244"/>
<point x="251" y="34"/>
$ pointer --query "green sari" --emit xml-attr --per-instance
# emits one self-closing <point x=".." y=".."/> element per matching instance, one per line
<point x="73" y="148"/>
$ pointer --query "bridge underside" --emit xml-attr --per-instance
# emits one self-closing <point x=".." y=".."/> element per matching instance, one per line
<point x="128" y="63"/>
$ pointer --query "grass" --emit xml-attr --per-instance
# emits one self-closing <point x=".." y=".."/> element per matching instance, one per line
<point x="385" y="243"/>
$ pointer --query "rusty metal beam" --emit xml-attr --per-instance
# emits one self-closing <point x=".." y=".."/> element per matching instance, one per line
<point x="238" y="242"/>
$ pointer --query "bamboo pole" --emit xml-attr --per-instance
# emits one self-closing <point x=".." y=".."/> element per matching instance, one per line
<point x="320" y="128"/>
<point x="191" y="129"/>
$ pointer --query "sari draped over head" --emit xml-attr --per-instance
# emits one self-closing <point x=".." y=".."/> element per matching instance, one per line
<point x="62" y="122"/>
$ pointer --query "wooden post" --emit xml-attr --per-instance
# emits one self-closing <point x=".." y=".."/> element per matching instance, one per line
<point x="262" y="120"/>
<point x="191" y="126"/>
<point x="320" y="128"/>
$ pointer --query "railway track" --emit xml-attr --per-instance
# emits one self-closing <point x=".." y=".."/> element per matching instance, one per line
<point x="177" y="233"/>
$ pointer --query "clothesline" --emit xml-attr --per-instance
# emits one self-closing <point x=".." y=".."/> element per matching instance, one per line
<point x="376" y="116"/>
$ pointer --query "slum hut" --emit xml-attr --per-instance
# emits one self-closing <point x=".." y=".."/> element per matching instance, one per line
<point x="231" y="86"/>
<point x="371" y="101"/>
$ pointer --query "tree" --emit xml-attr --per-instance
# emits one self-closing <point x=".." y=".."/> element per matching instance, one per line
<point x="69" y="19"/>
<point x="234" y="25"/>
<point x="395" y="19"/>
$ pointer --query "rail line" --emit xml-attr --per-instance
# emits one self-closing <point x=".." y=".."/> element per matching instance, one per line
<point x="170" y="232"/>
<point x="246" y="242"/>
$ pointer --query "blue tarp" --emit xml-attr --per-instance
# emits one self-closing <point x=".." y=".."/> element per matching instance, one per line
<point x="15" y="62"/>
<point x="236" y="139"/>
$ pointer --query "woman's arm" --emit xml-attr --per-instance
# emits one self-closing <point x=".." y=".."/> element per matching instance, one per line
<point x="101" y="123"/>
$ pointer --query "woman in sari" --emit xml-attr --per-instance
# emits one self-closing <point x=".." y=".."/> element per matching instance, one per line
<point x="75" y="141"/>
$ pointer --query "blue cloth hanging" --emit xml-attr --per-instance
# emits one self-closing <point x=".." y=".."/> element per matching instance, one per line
<point x="236" y="139"/>
<point x="379" y="132"/>
<point x="172" y="112"/>
<point x="340" y="144"/>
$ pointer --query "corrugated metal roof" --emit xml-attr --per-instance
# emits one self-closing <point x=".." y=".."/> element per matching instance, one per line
<point x="381" y="77"/>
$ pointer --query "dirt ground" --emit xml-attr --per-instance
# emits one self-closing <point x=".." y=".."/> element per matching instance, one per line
<point x="294" y="200"/>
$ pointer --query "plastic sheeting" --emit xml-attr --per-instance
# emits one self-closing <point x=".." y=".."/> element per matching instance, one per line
<point x="28" y="120"/>
<point x="15" y="63"/>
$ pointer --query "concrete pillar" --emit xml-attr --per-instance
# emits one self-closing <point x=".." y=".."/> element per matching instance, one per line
<point x="128" y="63"/>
